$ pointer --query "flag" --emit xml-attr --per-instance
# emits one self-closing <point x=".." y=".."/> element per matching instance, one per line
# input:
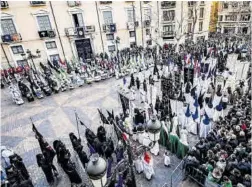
<point x="111" y="115"/>
<point x="35" y="130"/>
<point x="82" y="124"/>
<point x="124" y="102"/>
<point x="103" y="118"/>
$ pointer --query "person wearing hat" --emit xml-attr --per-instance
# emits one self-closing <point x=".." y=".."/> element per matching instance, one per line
<point x="226" y="182"/>
<point x="215" y="176"/>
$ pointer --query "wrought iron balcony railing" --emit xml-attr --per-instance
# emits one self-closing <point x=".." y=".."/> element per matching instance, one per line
<point x="11" y="38"/>
<point x="47" y="34"/>
<point x="37" y="3"/>
<point x="4" y="4"/>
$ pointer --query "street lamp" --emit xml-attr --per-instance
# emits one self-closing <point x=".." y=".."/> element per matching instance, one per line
<point x="97" y="170"/>
<point x="31" y="56"/>
<point x="117" y="41"/>
<point x="154" y="127"/>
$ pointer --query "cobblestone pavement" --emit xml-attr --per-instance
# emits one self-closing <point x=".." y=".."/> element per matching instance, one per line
<point x="54" y="118"/>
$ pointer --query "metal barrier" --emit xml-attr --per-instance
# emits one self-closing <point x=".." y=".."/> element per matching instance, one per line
<point x="176" y="177"/>
<point x="200" y="178"/>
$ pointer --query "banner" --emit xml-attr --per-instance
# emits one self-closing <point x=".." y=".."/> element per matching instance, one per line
<point x="125" y="103"/>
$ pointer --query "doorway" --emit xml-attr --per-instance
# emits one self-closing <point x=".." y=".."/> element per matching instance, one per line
<point x="84" y="48"/>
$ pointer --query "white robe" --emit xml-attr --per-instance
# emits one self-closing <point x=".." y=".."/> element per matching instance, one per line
<point x="217" y="114"/>
<point x="193" y="127"/>
<point x="204" y="129"/>
<point x="209" y="111"/>
<point x="167" y="160"/>
<point x="148" y="169"/>
<point x="139" y="165"/>
<point x="155" y="149"/>
<point x="216" y="100"/>
<point x="146" y="140"/>
<point x="183" y="137"/>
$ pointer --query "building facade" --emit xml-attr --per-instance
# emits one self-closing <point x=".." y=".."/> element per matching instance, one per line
<point x="234" y="17"/>
<point x="182" y="20"/>
<point x="79" y="29"/>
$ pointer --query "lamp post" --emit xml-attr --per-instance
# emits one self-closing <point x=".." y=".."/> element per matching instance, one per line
<point x="154" y="127"/>
<point x="117" y="41"/>
<point x="31" y="56"/>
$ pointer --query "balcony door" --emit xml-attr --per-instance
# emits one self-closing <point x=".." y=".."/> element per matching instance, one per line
<point x="84" y="48"/>
<point x="78" y="20"/>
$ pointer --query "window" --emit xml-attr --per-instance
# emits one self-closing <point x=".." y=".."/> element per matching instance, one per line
<point x="8" y="26"/>
<point x="51" y="45"/>
<point x="110" y="36"/>
<point x="107" y="16"/>
<point x="132" y="33"/>
<point x="54" y="57"/>
<point x="190" y="13"/>
<point x="168" y="29"/>
<point x="169" y="15"/>
<point x="78" y="20"/>
<point x="202" y="2"/>
<point x="111" y="48"/>
<point x="225" y="5"/>
<point x="168" y="4"/>
<point x="18" y="49"/>
<point x="191" y="3"/>
<point x="220" y="18"/>
<point x="4" y="4"/>
<point x="246" y="3"/>
<point x="231" y="17"/>
<point x="245" y="17"/>
<point x="229" y="30"/>
<point x="234" y="4"/>
<point x="132" y="44"/>
<point x="147" y="14"/>
<point x="189" y="27"/>
<point x="22" y="63"/>
<point x="147" y="31"/>
<point x="201" y="12"/>
<point x="44" y="23"/>
<point x="130" y="15"/>
<point x="201" y="26"/>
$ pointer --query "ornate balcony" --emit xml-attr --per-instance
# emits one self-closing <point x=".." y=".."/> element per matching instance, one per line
<point x="168" y="4"/>
<point x="47" y="34"/>
<point x="73" y="3"/>
<point x="37" y="3"/>
<point x="11" y="38"/>
<point x="130" y="25"/>
<point x="110" y="28"/>
<point x="168" y="34"/>
<point x="105" y="2"/>
<point x="4" y="4"/>
<point x="75" y="32"/>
